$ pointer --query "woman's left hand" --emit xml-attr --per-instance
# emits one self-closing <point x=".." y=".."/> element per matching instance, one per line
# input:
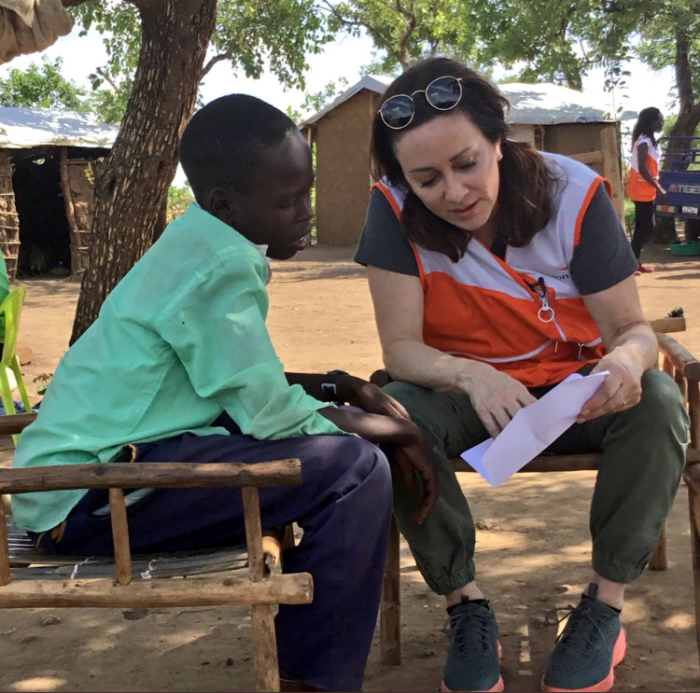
<point x="368" y="397"/>
<point x="621" y="389"/>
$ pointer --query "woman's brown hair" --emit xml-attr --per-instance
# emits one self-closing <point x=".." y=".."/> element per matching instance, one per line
<point x="524" y="194"/>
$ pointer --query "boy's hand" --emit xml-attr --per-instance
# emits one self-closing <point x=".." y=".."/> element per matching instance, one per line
<point x="368" y="397"/>
<point x="418" y="459"/>
<point x="411" y="453"/>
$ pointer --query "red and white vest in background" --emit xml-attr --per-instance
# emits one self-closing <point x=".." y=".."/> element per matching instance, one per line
<point x="524" y="316"/>
<point x="638" y="189"/>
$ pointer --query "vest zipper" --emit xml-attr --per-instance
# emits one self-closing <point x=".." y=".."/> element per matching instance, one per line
<point x="546" y="313"/>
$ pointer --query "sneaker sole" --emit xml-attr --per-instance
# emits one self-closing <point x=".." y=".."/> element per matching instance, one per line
<point x="607" y="683"/>
<point x="498" y="688"/>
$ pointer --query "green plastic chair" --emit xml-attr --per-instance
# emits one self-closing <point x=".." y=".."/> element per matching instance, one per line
<point x="11" y="308"/>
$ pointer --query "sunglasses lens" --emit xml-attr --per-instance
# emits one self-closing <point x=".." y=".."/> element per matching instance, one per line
<point x="397" y="111"/>
<point x="443" y="93"/>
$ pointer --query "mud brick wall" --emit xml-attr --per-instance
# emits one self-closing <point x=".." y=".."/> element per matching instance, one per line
<point x="342" y="163"/>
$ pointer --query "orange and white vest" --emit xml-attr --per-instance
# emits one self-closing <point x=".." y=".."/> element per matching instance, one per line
<point x="524" y="316"/>
<point x="638" y="189"/>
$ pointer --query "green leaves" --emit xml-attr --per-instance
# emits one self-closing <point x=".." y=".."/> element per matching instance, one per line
<point x="407" y="30"/>
<point x="249" y="34"/>
<point x="42" y="85"/>
<point x="282" y="32"/>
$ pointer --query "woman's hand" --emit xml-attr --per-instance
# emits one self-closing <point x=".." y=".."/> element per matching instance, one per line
<point x="621" y="389"/>
<point x="368" y="397"/>
<point x="631" y="344"/>
<point x="495" y="396"/>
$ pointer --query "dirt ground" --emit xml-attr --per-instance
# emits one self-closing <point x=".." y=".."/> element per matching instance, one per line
<point x="533" y="557"/>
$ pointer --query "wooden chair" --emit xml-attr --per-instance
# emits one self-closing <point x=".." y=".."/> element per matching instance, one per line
<point x="685" y="370"/>
<point x="31" y="578"/>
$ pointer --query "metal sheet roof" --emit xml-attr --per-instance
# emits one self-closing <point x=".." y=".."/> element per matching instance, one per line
<point x="21" y="128"/>
<point x="531" y="104"/>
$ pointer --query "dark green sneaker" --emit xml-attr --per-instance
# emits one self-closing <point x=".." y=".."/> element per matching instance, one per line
<point x="473" y="658"/>
<point x="589" y="648"/>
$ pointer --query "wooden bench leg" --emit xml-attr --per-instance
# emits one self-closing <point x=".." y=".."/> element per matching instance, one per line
<point x="658" y="560"/>
<point x="262" y="623"/>
<point x="265" y="648"/>
<point x="694" y="504"/>
<point x="390" y="609"/>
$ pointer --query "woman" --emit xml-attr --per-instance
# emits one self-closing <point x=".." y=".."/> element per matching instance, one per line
<point x="643" y="182"/>
<point x="496" y="272"/>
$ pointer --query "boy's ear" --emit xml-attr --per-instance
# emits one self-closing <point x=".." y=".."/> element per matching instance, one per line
<point x="220" y="204"/>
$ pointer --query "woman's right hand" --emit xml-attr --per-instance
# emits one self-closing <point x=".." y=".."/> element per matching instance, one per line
<point x="495" y="396"/>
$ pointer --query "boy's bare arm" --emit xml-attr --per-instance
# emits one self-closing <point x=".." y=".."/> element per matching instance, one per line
<point x="350" y="390"/>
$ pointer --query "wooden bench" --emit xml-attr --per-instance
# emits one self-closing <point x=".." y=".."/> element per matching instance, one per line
<point x="685" y="370"/>
<point x="29" y="578"/>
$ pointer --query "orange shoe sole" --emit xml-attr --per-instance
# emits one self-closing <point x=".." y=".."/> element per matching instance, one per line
<point x="498" y="688"/>
<point x="607" y="683"/>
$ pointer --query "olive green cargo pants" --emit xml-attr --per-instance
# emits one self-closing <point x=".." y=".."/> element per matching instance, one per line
<point x="642" y="458"/>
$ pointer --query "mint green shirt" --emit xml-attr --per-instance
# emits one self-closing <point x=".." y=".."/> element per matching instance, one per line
<point x="180" y="340"/>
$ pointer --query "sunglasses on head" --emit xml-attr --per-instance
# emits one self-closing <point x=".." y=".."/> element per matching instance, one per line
<point x="442" y="94"/>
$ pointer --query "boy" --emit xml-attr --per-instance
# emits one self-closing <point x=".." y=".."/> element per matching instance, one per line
<point x="179" y="366"/>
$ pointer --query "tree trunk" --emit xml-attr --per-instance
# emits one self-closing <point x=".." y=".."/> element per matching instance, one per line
<point x="132" y="185"/>
<point x="687" y="123"/>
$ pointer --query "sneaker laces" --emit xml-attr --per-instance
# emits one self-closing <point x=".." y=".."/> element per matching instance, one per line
<point x="582" y="629"/>
<point x="470" y="629"/>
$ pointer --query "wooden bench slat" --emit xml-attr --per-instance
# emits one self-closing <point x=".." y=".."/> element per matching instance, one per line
<point x="150" y="475"/>
<point x="293" y="588"/>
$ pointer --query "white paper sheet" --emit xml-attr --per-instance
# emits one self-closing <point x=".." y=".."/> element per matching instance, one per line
<point x="533" y="429"/>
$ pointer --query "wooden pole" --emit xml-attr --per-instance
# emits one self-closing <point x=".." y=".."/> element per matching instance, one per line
<point x="694" y="410"/>
<point x="679" y="357"/>
<point x="658" y="560"/>
<point x="668" y="366"/>
<point x="546" y="463"/>
<point x="70" y="213"/>
<point x="694" y="508"/>
<point x="666" y="325"/>
<point x="149" y="475"/>
<point x="295" y="588"/>
<point x="262" y="622"/>
<point x="611" y="168"/>
<point x="120" y="535"/>
<point x="5" y="576"/>
<point x="681" y="382"/>
<point x="390" y="614"/>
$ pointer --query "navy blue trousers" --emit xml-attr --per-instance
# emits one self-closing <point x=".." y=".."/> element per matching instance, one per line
<point x="343" y="505"/>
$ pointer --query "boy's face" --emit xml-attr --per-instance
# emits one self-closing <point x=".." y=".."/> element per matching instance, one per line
<point x="277" y="211"/>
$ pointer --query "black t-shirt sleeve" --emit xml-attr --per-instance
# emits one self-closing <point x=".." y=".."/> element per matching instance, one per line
<point x="383" y="243"/>
<point x="603" y="256"/>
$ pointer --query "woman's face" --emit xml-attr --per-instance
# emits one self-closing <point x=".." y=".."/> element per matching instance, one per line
<point x="453" y="169"/>
<point x="659" y="123"/>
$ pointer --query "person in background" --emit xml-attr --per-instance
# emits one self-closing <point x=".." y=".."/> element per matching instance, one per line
<point x="643" y="182"/>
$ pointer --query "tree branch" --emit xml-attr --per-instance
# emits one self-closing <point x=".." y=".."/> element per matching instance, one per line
<point x="380" y="38"/>
<point x="74" y="3"/>
<point x="216" y="59"/>
<point x="107" y="78"/>
<point x="411" y="22"/>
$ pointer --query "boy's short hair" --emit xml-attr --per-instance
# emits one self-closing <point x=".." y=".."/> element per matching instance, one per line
<point x="223" y="143"/>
